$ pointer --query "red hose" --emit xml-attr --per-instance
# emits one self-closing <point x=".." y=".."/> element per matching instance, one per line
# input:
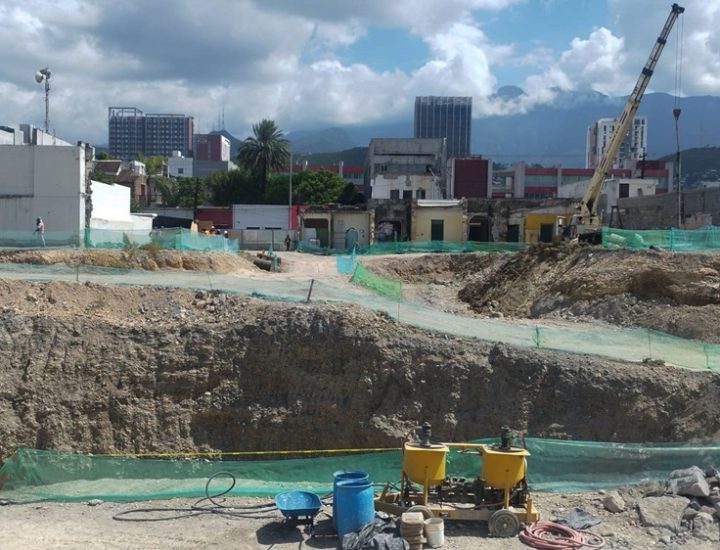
<point x="547" y="535"/>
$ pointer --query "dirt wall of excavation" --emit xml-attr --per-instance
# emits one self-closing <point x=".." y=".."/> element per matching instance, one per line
<point x="200" y="372"/>
<point x="677" y="293"/>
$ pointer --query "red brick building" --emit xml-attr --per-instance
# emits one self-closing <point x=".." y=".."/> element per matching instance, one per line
<point x="469" y="177"/>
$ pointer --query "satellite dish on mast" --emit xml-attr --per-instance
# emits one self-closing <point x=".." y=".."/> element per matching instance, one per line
<point x="39" y="77"/>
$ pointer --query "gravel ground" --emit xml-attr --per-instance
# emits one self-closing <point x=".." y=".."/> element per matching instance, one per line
<point x="52" y="525"/>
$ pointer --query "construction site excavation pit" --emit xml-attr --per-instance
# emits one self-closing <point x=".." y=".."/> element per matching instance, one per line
<point x="101" y="369"/>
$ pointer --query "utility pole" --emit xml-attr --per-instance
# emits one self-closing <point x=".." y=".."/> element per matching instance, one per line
<point x="676" y="178"/>
<point x="195" y="200"/>
<point x="290" y="213"/>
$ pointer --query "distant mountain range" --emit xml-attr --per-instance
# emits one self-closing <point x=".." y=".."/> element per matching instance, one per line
<point x="698" y="165"/>
<point x="355" y="155"/>
<point x="548" y="134"/>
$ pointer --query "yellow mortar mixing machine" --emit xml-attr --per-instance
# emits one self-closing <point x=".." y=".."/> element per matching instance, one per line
<point x="499" y="495"/>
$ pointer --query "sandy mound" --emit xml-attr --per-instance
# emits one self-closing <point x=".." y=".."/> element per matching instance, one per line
<point x="134" y="258"/>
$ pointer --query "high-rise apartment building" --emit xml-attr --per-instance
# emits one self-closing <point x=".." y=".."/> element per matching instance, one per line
<point x="633" y="146"/>
<point x="130" y="132"/>
<point x="445" y="117"/>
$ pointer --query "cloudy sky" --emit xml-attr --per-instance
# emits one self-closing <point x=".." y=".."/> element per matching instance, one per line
<point x="316" y="63"/>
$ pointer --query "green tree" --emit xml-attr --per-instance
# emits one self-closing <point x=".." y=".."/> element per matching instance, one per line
<point x="264" y="151"/>
<point x="318" y="187"/>
<point x="153" y="169"/>
<point x="188" y="189"/>
<point x="102" y="177"/>
<point x="234" y="187"/>
<point x="167" y="188"/>
<point x="350" y="195"/>
<point x="153" y="165"/>
<point x="103" y="155"/>
<point x="276" y="191"/>
<point x="181" y="191"/>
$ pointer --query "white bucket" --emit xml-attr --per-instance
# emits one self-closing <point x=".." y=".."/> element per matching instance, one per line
<point x="435" y="532"/>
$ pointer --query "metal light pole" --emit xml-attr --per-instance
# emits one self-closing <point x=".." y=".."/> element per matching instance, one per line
<point x="40" y="76"/>
<point x="290" y="194"/>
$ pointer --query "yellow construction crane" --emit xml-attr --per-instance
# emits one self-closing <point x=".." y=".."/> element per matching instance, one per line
<point x="585" y="224"/>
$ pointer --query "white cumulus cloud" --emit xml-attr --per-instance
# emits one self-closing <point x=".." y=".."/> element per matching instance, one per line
<point x="282" y="59"/>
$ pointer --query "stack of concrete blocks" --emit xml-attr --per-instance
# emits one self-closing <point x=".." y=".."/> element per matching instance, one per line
<point x="411" y="529"/>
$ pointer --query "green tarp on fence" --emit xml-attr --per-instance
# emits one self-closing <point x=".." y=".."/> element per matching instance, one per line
<point x="554" y="465"/>
<point x="408" y="247"/>
<point x="681" y="240"/>
<point x="368" y="279"/>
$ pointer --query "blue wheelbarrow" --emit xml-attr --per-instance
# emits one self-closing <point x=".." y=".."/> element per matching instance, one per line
<point x="299" y="508"/>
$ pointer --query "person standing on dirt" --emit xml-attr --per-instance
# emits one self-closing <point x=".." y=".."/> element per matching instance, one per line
<point x="40" y="230"/>
<point x="287" y="242"/>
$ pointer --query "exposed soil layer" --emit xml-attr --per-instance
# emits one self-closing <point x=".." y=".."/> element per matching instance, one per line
<point x="133" y="258"/>
<point x="674" y="293"/>
<point x="91" y="368"/>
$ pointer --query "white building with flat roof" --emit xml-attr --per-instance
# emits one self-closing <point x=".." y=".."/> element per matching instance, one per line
<point x="42" y="177"/>
<point x="612" y="190"/>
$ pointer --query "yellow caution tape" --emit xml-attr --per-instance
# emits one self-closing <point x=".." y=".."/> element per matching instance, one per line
<point x="252" y="453"/>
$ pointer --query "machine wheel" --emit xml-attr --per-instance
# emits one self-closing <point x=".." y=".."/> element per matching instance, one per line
<point x="504" y="524"/>
<point x="427" y="514"/>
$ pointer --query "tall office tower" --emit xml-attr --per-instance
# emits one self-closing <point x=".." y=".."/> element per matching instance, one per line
<point x="131" y="132"/>
<point x="632" y="148"/>
<point x="445" y="117"/>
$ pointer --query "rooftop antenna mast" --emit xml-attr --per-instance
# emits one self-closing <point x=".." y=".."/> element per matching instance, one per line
<point x="43" y="75"/>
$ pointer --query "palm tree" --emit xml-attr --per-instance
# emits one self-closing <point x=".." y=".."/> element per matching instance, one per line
<point x="265" y="151"/>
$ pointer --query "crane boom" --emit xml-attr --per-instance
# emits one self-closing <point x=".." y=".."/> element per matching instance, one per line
<point x="587" y="215"/>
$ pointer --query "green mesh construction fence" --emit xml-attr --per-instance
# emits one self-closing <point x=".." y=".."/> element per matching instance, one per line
<point x="172" y="238"/>
<point x="681" y="240"/>
<point x="553" y="466"/>
<point x="408" y="247"/>
<point x="384" y="295"/>
<point x="346" y="264"/>
<point x="368" y="279"/>
<point x="21" y="238"/>
<point x="438" y="246"/>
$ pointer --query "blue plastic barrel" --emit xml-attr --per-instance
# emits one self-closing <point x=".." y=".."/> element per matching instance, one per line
<point x="354" y="506"/>
<point x="345" y="475"/>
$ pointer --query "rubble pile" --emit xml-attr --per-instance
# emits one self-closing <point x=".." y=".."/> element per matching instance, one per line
<point x="665" y="291"/>
<point x="684" y="508"/>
